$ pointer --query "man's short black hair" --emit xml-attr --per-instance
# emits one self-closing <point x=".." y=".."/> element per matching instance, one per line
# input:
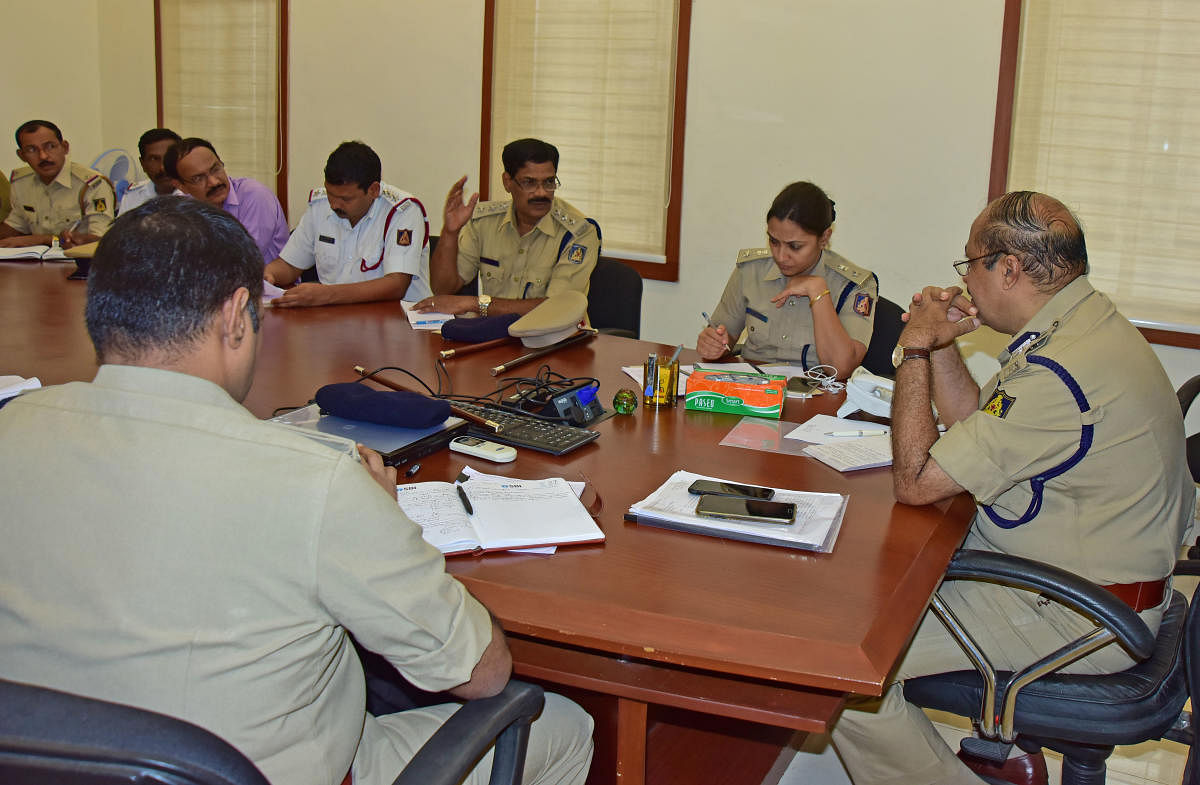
<point x="160" y="274"/>
<point x="524" y="151"/>
<point x="29" y="126"/>
<point x="181" y="149"/>
<point x="156" y="135"/>
<point x="353" y="162"/>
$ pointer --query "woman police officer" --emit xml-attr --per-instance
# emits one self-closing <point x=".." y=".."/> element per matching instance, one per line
<point x="799" y="302"/>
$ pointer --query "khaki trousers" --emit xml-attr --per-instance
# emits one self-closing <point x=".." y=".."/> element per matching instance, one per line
<point x="888" y="741"/>
<point x="559" y="753"/>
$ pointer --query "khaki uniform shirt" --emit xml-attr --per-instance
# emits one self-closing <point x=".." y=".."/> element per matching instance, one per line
<point x="1117" y="516"/>
<point x="77" y="193"/>
<point x="166" y="549"/>
<point x="5" y="198"/>
<point x="785" y="335"/>
<point x="557" y="255"/>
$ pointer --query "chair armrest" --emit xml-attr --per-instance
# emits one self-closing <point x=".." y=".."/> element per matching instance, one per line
<point x="462" y="740"/>
<point x="1065" y="587"/>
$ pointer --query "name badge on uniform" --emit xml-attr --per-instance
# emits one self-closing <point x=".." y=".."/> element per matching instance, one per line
<point x="404" y="237"/>
<point x="862" y="304"/>
<point x="761" y="317"/>
<point x="577" y="254"/>
<point x="492" y="262"/>
<point x="999" y="405"/>
<point x="324" y="238"/>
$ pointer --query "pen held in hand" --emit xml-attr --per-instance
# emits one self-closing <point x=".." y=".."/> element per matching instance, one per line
<point x="709" y="322"/>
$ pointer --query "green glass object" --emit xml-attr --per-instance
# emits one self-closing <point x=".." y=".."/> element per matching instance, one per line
<point x="625" y="401"/>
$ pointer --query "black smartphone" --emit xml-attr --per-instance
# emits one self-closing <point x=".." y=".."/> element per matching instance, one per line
<point x="743" y="509"/>
<point x="714" y="488"/>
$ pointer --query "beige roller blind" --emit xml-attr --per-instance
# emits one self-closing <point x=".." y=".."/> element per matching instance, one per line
<point x="220" y="71"/>
<point x="595" y="79"/>
<point x="1107" y="118"/>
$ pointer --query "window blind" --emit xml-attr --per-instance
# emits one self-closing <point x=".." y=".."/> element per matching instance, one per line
<point x="1107" y="118"/>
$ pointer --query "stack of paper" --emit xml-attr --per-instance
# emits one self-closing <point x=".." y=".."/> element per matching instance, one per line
<point x="427" y="320"/>
<point x="818" y="516"/>
<point x="43" y="252"/>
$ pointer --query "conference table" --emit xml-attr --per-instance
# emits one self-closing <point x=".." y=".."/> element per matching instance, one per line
<point x="699" y="657"/>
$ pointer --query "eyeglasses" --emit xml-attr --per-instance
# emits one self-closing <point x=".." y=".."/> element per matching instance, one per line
<point x="48" y="147"/>
<point x="202" y="178"/>
<point x="962" y="267"/>
<point x="529" y="184"/>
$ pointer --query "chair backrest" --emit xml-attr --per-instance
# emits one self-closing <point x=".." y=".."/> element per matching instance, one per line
<point x="615" y="299"/>
<point x="1187" y="393"/>
<point x="52" y="736"/>
<point x="878" y="359"/>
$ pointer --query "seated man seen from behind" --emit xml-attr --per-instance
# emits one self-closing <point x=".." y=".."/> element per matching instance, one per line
<point x="54" y="197"/>
<point x="368" y="240"/>
<point x="164" y="577"/>
<point x="1074" y="453"/>
<point x="199" y="172"/>
<point x="522" y="250"/>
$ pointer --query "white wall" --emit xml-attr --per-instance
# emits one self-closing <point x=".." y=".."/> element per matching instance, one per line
<point x="404" y="77"/>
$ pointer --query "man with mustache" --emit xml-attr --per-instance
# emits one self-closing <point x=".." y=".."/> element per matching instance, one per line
<point x="1074" y="453"/>
<point x="54" y="197"/>
<point x="152" y="148"/>
<point x="368" y="240"/>
<point x="522" y="250"/>
<point x="198" y="171"/>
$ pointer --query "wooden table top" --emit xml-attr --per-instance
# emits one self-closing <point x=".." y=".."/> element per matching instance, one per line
<point x="834" y="621"/>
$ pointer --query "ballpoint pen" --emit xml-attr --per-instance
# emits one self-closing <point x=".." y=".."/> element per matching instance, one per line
<point x="883" y="432"/>
<point x="466" y="503"/>
<point x="708" y="321"/>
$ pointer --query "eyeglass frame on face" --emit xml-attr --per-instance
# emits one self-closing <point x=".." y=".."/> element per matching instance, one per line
<point x="197" y="180"/>
<point x="47" y="148"/>
<point x="963" y="267"/>
<point x="530" y="184"/>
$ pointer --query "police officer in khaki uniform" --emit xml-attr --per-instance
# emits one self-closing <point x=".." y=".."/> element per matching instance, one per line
<point x="1070" y="463"/>
<point x="5" y="198"/>
<point x="522" y="250"/>
<point x="52" y="196"/>
<point x="798" y="302"/>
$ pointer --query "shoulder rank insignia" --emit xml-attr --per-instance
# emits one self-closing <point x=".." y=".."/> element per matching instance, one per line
<point x="100" y="204"/>
<point x="750" y="254"/>
<point x="489" y="208"/>
<point x="404" y="237"/>
<point x="577" y="254"/>
<point x="862" y="304"/>
<point x="1000" y="404"/>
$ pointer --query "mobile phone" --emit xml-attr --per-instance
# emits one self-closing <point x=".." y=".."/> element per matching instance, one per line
<point x="489" y="451"/>
<point x="743" y="509"/>
<point x="714" y="488"/>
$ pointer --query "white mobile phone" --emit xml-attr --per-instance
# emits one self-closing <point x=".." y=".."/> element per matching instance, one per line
<point x="489" y="451"/>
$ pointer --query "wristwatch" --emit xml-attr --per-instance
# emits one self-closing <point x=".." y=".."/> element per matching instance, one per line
<point x="902" y="353"/>
<point x="484" y="301"/>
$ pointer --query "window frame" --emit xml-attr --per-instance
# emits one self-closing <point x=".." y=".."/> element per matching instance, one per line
<point x="1006" y="92"/>
<point x="669" y="270"/>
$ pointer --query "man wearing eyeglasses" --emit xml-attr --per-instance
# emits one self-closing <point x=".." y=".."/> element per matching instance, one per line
<point x="521" y="250"/>
<point x="1074" y="453"/>
<point x="199" y="172"/>
<point x="54" y="197"/>
<point x="368" y="240"/>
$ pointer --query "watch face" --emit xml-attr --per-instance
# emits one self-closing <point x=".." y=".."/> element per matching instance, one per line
<point x="897" y="356"/>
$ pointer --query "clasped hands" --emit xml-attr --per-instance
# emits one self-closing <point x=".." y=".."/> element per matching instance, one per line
<point x="937" y="316"/>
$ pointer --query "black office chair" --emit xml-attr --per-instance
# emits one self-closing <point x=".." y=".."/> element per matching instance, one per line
<point x="1081" y="716"/>
<point x="615" y="299"/>
<point x="1187" y="393"/>
<point x="886" y="332"/>
<point x="52" y="736"/>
